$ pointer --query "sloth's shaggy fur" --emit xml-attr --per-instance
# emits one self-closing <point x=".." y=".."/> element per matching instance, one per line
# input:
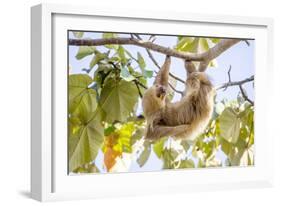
<point x="186" y="118"/>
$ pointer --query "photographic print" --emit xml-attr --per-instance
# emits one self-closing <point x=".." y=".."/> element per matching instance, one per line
<point x="151" y="102"/>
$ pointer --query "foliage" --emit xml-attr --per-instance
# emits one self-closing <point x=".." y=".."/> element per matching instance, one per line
<point x="103" y="117"/>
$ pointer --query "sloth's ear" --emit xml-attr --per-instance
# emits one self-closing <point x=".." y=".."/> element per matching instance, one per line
<point x="162" y="76"/>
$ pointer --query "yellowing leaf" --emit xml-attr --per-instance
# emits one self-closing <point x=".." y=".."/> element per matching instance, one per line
<point x="110" y="158"/>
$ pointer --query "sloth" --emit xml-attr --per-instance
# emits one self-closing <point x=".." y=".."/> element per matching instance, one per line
<point x="185" y="119"/>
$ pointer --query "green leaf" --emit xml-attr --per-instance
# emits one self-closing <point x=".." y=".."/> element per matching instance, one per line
<point x="124" y="138"/>
<point x="84" y="148"/>
<point x="121" y="53"/>
<point x="196" y="45"/>
<point x="109" y="130"/>
<point x="204" y="44"/>
<point x="183" y="43"/>
<point x="185" y="145"/>
<point x="118" y="99"/>
<point x="109" y="35"/>
<point x="226" y="147"/>
<point x="125" y="74"/>
<point x="78" y="34"/>
<point x="190" y="46"/>
<point x="82" y="100"/>
<point x="219" y="108"/>
<point x="83" y="105"/>
<point x="85" y="51"/>
<point x="137" y="135"/>
<point x="158" y="147"/>
<point x="97" y="58"/>
<point x="87" y="168"/>
<point x="215" y="40"/>
<point x="147" y="73"/>
<point x="188" y="163"/>
<point x="144" y="156"/>
<point x="230" y="125"/>
<point x="141" y="61"/>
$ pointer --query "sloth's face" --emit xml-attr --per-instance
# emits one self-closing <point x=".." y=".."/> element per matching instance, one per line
<point x="161" y="91"/>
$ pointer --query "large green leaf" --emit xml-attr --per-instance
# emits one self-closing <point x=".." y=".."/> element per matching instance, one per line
<point x="84" y="147"/>
<point x="230" y="125"/>
<point x="118" y="99"/>
<point x="84" y="105"/>
<point x="81" y="94"/>
<point x="85" y="51"/>
<point x="85" y="129"/>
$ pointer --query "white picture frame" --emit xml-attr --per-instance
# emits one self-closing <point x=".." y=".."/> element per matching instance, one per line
<point x="49" y="179"/>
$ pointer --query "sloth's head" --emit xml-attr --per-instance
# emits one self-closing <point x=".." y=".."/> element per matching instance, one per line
<point x="160" y="91"/>
<point x="154" y="99"/>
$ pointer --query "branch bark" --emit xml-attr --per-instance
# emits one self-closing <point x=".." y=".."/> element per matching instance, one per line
<point x="212" y="53"/>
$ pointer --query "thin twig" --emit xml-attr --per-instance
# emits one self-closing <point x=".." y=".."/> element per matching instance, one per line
<point x="244" y="95"/>
<point x="140" y="84"/>
<point x="140" y="94"/>
<point x="175" y="90"/>
<point x="237" y="83"/>
<point x="247" y="42"/>
<point x="229" y="77"/>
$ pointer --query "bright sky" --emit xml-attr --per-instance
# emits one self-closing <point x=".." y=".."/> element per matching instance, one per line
<point x="240" y="57"/>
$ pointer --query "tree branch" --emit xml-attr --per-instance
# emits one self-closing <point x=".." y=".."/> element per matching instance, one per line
<point x="237" y="83"/>
<point x="212" y="53"/>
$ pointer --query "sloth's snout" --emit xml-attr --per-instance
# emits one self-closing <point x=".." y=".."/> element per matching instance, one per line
<point x="161" y="91"/>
